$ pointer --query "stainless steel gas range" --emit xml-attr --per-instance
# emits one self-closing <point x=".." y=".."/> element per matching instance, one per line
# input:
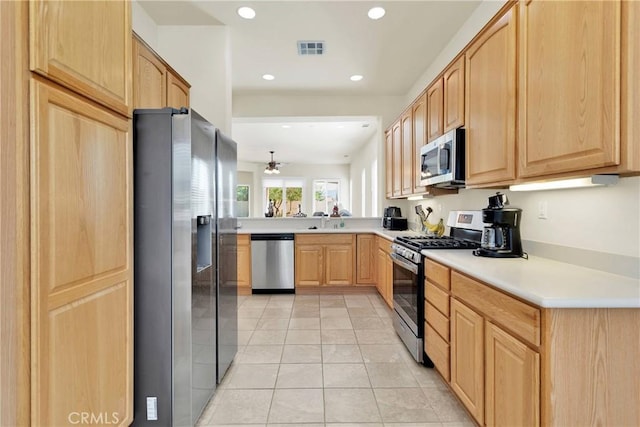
<point x="408" y="275"/>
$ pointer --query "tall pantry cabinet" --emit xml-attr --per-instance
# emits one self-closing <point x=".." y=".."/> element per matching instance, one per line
<point x="78" y="192"/>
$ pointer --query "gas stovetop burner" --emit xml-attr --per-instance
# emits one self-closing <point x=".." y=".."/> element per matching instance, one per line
<point x="433" y="242"/>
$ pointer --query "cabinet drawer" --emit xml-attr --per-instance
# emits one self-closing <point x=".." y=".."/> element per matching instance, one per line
<point x="384" y="244"/>
<point x="437" y="321"/>
<point x="324" y="239"/>
<point x="437" y="274"/>
<point x="437" y="350"/>
<point x="244" y="239"/>
<point x="437" y="297"/>
<point x="516" y="316"/>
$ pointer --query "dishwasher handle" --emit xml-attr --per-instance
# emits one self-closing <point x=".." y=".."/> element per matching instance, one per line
<point x="272" y="236"/>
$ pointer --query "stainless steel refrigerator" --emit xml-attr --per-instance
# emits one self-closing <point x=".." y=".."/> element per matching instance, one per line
<point x="185" y="304"/>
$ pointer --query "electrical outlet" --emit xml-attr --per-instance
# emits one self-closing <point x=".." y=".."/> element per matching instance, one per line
<point x="543" y="210"/>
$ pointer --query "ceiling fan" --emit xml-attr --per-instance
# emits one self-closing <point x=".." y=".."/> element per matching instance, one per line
<point x="272" y="166"/>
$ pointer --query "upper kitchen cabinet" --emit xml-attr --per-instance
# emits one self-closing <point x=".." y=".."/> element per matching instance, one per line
<point x="419" y="112"/>
<point x="84" y="46"/>
<point x="453" y="81"/>
<point x="435" y="107"/>
<point x="396" y="159"/>
<point x="569" y="94"/>
<point x="407" y="152"/>
<point x="388" y="157"/>
<point x="490" y="107"/>
<point x="155" y="83"/>
<point x="630" y="83"/>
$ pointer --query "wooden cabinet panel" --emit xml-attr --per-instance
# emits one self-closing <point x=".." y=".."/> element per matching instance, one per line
<point x="512" y="380"/>
<point x="384" y="281"/>
<point x="630" y="86"/>
<point x="244" y="264"/>
<point x="438" y="351"/>
<point x="177" y="91"/>
<point x="569" y="94"/>
<point x="365" y="264"/>
<point x="437" y="297"/>
<point x="435" y="110"/>
<point x="437" y="274"/>
<point x="397" y="159"/>
<point x="437" y="320"/>
<point x="520" y="318"/>
<point x="309" y="265"/>
<point x="324" y="239"/>
<point x="81" y="260"/>
<point x="388" y="159"/>
<point x="85" y="46"/>
<point x="490" y="105"/>
<point x="454" y="95"/>
<point x="150" y="78"/>
<point x="407" y="153"/>
<point x="419" y="115"/>
<point x="467" y="358"/>
<point x="338" y="264"/>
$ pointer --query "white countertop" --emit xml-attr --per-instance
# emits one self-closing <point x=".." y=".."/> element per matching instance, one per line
<point x="387" y="234"/>
<point x="545" y="282"/>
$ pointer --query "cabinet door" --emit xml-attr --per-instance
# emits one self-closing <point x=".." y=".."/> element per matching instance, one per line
<point x="149" y="78"/>
<point x="81" y="258"/>
<point x="244" y="264"/>
<point x="454" y="95"/>
<point x="467" y="358"/>
<point x="177" y="91"/>
<point x="381" y="272"/>
<point x="512" y="380"/>
<point x="491" y="103"/>
<point x="85" y="46"/>
<point x="388" y="157"/>
<point x="435" y="107"/>
<point x="338" y="264"/>
<point x="419" y="139"/>
<point x="365" y="267"/>
<point x="569" y="87"/>
<point x="397" y="159"/>
<point x="388" y="282"/>
<point x="407" y="153"/>
<point x="309" y="265"/>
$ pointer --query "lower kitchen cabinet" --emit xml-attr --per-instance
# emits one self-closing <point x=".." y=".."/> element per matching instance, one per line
<point x="384" y="282"/>
<point x="324" y="259"/>
<point x="467" y="358"/>
<point x="512" y="380"/>
<point x="244" y="264"/>
<point x="365" y="255"/>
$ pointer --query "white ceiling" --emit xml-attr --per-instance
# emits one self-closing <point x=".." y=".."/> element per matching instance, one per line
<point x="391" y="54"/>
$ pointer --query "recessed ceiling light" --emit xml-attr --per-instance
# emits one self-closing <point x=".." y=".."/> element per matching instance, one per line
<point x="376" y="13"/>
<point x="268" y="76"/>
<point x="248" y="13"/>
<point x="356" y="78"/>
<point x="341" y="127"/>
<point x="285" y="126"/>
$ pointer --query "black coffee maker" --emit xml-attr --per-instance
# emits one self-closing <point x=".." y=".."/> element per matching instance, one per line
<point x="501" y="234"/>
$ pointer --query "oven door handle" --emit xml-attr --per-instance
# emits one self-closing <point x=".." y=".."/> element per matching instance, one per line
<point x="404" y="264"/>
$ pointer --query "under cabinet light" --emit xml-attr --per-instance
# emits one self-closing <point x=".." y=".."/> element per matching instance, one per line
<point x="590" y="181"/>
<point x="420" y="197"/>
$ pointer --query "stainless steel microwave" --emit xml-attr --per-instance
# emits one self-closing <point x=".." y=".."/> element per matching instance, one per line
<point x="443" y="161"/>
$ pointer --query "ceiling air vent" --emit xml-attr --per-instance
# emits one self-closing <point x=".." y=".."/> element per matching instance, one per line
<point x="310" y="47"/>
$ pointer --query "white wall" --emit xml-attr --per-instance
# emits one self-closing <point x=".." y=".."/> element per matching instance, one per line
<point x="366" y="197"/>
<point x="307" y="173"/>
<point x="144" y="25"/>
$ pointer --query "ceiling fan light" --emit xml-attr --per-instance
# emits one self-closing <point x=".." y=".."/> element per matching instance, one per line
<point x="276" y="171"/>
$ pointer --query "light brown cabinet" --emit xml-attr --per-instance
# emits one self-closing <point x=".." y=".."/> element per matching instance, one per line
<point x="155" y="83"/>
<point x="467" y="358"/>
<point x="512" y="380"/>
<point x="365" y="254"/>
<point x="396" y="159"/>
<point x="491" y="103"/>
<point x="82" y="282"/>
<point x="384" y="282"/>
<point x="407" y="162"/>
<point x="419" y="115"/>
<point x="94" y="58"/>
<point x="324" y="259"/>
<point x="453" y="81"/>
<point x="244" y="264"/>
<point x="437" y="312"/>
<point x="389" y="165"/>
<point x="569" y="93"/>
<point x="435" y="110"/>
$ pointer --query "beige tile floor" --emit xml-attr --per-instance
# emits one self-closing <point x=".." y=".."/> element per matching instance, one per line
<point x="326" y="360"/>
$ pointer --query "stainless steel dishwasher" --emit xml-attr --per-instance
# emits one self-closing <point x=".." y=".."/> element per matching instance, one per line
<point x="272" y="263"/>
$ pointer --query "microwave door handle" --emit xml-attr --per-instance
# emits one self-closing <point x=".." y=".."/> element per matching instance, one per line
<point x="397" y="259"/>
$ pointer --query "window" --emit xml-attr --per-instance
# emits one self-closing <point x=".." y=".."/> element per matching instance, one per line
<point x="242" y="200"/>
<point x="286" y="195"/>
<point x="326" y="193"/>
